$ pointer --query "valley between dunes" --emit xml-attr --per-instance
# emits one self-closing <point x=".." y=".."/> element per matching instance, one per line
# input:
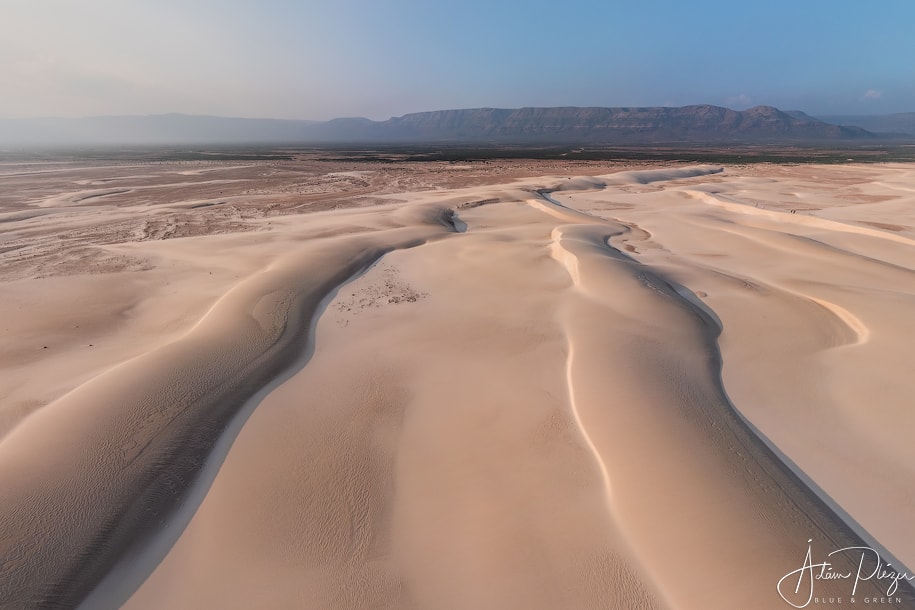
<point x="499" y="384"/>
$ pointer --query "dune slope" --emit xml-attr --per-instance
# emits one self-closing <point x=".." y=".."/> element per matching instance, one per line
<point x="630" y="390"/>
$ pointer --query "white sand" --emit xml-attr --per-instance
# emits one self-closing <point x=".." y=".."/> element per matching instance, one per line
<point x="476" y="402"/>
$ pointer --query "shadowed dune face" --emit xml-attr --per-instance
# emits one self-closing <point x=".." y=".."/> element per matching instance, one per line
<point x="472" y="397"/>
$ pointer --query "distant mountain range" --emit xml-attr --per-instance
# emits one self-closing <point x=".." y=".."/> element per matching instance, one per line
<point x="902" y="123"/>
<point x="589" y="126"/>
<point x="565" y="125"/>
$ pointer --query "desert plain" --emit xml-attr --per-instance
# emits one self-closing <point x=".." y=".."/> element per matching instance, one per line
<point x="311" y="383"/>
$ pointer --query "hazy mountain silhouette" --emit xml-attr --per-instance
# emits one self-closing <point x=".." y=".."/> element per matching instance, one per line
<point x="900" y="123"/>
<point x="646" y="125"/>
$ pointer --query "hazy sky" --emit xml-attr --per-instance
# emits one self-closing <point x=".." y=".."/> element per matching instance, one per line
<point x="381" y="58"/>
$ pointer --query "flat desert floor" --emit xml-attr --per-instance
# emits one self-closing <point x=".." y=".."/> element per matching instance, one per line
<point x="487" y="384"/>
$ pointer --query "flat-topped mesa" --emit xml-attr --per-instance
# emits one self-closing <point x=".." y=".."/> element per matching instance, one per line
<point x="700" y="123"/>
<point x="538" y="125"/>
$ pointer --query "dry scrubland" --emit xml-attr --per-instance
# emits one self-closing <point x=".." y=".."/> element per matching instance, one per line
<point x="502" y="384"/>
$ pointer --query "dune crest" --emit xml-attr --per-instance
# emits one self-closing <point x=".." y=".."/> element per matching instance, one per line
<point x="555" y="392"/>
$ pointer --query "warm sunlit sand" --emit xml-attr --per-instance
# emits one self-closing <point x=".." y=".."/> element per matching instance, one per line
<point x="489" y="385"/>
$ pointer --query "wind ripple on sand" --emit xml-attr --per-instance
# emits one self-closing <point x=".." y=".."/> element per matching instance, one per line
<point x="610" y="383"/>
<point x="548" y="428"/>
<point x="724" y="202"/>
<point x="69" y="517"/>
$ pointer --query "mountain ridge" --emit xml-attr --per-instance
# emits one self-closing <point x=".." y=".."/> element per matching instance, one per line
<point x="612" y="124"/>
<point x="702" y="123"/>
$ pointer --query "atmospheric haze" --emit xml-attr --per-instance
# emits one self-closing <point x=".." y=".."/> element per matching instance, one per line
<point x="310" y="60"/>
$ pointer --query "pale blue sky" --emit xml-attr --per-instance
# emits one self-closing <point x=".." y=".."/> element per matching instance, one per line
<point x="382" y="58"/>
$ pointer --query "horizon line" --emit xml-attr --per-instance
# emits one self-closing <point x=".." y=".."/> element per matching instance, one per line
<point x="303" y="120"/>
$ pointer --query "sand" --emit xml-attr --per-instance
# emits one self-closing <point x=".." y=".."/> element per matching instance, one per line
<point x="487" y="385"/>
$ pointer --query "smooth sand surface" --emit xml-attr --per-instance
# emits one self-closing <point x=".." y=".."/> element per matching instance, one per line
<point x="501" y="385"/>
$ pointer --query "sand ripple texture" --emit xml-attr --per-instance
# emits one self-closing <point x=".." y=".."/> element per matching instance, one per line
<point x="641" y="389"/>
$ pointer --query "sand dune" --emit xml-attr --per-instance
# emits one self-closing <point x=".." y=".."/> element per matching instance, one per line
<point x="625" y="390"/>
